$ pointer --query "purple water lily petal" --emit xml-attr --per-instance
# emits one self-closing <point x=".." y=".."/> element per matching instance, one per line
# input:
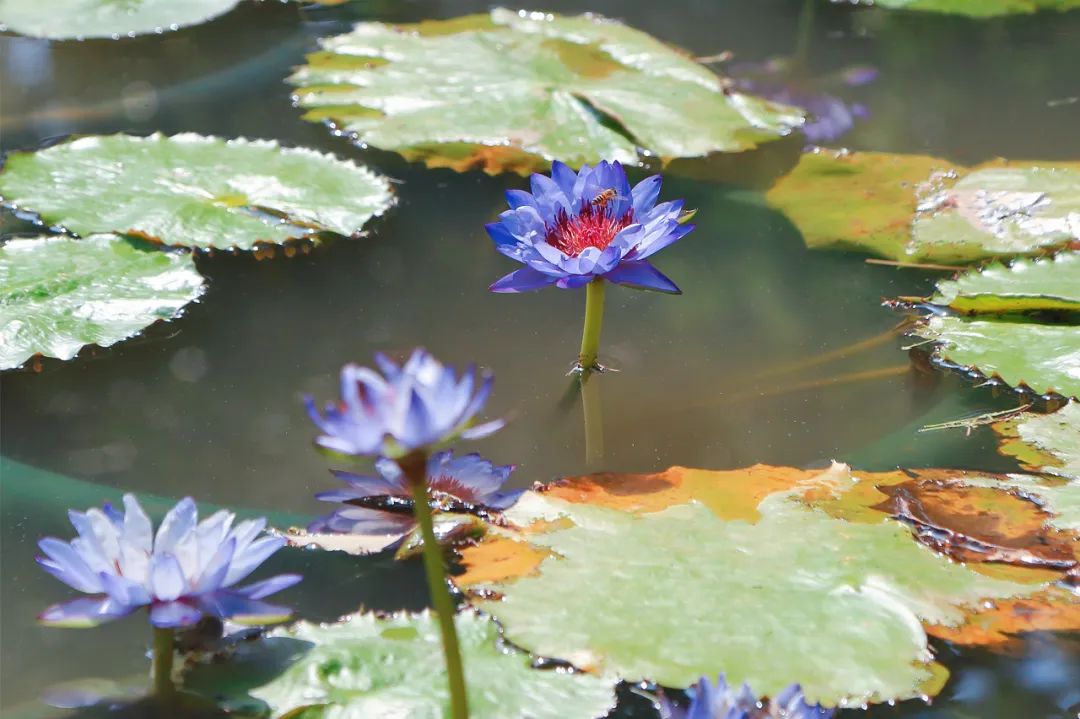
<point x="172" y="615"/>
<point x="467" y="478"/>
<point x="241" y="609"/>
<point x="421" y="404"/>
<point x="575" y="227"/>
<point x="643" y="276"/>
<point x="84" y="612"/>
<point x="720" y="700"/>
<point x="118" y="557"/>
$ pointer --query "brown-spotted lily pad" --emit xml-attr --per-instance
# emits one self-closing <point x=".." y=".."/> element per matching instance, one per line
<point x="755" y="573"/>
<point x="914" y="208"/>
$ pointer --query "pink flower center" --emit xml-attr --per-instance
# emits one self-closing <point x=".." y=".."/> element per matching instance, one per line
<point x="593" y="226"/>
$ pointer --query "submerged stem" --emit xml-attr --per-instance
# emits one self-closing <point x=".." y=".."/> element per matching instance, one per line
<point x="592" y="408"/>
<point x="415" y="468"/>
<point x="594" y="322"/>
<point x="164" y="689"/>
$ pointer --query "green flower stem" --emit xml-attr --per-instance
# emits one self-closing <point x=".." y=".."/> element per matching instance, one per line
<point x="594" y="419"/>
<point x="414" y="466"/>
<point x="594" y="322"/>
<point x="164" y="689"/>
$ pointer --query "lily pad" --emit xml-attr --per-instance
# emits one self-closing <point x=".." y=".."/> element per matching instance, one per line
<point x="1044" y="358"/>
<point x="515" y="90"/>
<point x="369" y="666"/>
<point x="784" y="592"/>
<point x="194" y="191"/>
<point x="59" y="294"/>
<point x="975" y="8"/>
<point x="1043" y="284"/>
<point x="79" y="19"/>
<point x="914" y="208"/>
<point x="1047" y="443"/>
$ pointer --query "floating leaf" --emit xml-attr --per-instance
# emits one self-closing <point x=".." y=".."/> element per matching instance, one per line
<point x="513" y="91"/>
<point x="915" y="208"/>
<point x="1042" y="357"/>
<point x="78" y="19"/>
<point x="999" y="625"/>
<point x="1045" y="442"/>
<point x="780" y="593"/>
<point x="1059" y="497"/>
<point x="975" y="8"/>
<point x="1044" y="284"/>
<point x="194" y="191"/>
<point x="59" y="294"/>
<point x="367" y="666"/>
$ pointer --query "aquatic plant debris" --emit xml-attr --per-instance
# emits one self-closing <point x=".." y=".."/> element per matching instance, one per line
<point x="1047" y="443"/>
<point x="974" y="8"/>
<point x="59" y="294"/>
<point x="811" y="559"/>
<point x="368" y="666"/>
<point x="193" y="191"/>
<point x="512" y="91"/>
<point x="80" y="19"/>
<point x="914" y="208"/>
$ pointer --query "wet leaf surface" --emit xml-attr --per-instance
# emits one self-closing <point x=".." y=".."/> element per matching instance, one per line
<point x="1042" y="357"/>
<point x="913" y="208"/>
<point x="702" y="579"/>
<point x="78" y="19"/>
<point x="1025" y="285"/>
<point x="512" y="91"/>
<point x="976" y="8"/>
<point x="194" y="191"/>
<point x="1047" y="443"/>
<point x="367" y="666"/>
<point x="59" y="294"/>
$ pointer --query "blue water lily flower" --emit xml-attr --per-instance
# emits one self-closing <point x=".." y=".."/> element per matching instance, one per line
<point x="417" y="405"/>
<point x="576" y="227"/>
<point x="723" y="701"/>
<point x="468" y="482"/>
<point x="185" y="571"/>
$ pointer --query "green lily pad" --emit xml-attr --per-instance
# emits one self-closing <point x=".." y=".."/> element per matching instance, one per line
<point x="513" y="91"/>
<point x="194" y="191"/>
<point x="59" y="294"/>
<point x="1042" y="357"/>
<point x="789" y="595"/>
<point x="976" y="8"/>
<point x="1044" y="284"/>
<point x="78" y="19"/>
<point x="368" y="666"/>
<point x="1047" y="443"/>
<point x="913" y="208"/>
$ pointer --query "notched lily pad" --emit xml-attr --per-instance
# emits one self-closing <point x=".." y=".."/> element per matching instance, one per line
<point x="975" y="8"/>
<point x="725" y="575"/>
<point x="914" y="208"/>
<point x="512" y="91"/>
<point x="79" y="19"/>
<point x="1044" y="358"/>
<point x="1025" y="285"/>
<point x="369" y="666"/>
<point x="1047" y="443"/>
<point x="194" y="191"/>
<point x="59" y="294"/>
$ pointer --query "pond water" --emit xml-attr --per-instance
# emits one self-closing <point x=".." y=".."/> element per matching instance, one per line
<point x="728" y="374"/>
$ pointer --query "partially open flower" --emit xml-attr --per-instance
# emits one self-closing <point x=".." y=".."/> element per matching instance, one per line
<point x="575" y="227"/>
<point x="723" y="701"/>
<point x="381" y="504"/>
<point x="183" y="573"/>
<point x="418" y="405"/>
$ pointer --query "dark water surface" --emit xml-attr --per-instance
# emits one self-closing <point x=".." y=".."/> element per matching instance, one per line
<point x="210" y="405"/>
